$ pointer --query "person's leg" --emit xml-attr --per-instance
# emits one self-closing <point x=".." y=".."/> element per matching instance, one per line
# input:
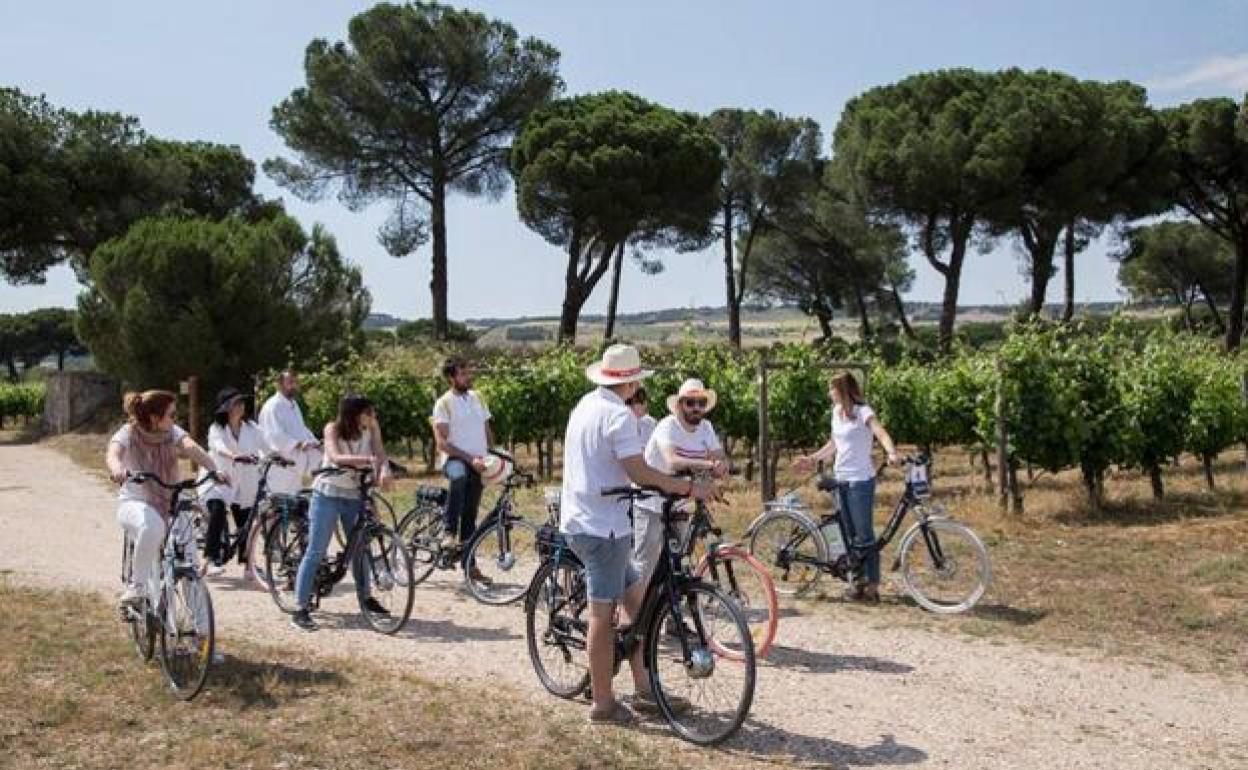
<point x="147" y="530"/>
<point x="860" y="499"/>
<point x="348" y="512"/>
<point x="216" y="530"/>
<point x="242" y="527"/>
<point x="322" y="515"/>
<point x="468" y="516"/>
<point x="604" y="574"/>
<point x="456" y="472"/>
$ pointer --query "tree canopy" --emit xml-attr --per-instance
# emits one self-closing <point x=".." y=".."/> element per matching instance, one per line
<point x="222" y="300"/>
<point x="593" y="172"/>
<point x="421" y="100"/>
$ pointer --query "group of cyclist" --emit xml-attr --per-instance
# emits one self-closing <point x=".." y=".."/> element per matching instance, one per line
<point x="610" y="441"/>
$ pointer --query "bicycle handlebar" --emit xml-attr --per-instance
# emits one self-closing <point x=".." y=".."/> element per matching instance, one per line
<point x="143" y="477"/>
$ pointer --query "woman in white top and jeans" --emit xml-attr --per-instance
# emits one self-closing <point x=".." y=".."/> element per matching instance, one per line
<point x="352" y="440"/>
<point x="855" y="428"/>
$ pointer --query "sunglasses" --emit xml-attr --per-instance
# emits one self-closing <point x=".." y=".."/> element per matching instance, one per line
<point x="700" y="403"/>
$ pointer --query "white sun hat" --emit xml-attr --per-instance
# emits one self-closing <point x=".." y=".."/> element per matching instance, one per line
<point x="498" y="468"/>
<point x="619" y="364"/>
<point x="692" y="388"/>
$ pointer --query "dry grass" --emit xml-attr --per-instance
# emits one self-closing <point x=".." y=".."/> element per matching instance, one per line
<point x="73" y="695"/>
<point x="1146" y="579"/>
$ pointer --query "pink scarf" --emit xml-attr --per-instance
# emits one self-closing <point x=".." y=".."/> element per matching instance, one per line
<point x="155" y="452"/>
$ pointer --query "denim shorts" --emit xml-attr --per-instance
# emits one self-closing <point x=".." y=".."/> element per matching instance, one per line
<point x="609" y="568"/>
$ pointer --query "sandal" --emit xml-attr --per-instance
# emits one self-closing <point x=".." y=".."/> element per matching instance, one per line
<point x="617" y="714"/>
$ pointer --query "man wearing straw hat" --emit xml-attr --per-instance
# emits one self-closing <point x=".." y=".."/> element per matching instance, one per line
<point x="683" y="440"/>
<point x="602" y="448"/>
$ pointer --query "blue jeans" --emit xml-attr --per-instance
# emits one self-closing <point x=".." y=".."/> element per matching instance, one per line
<point x="858" y="505"/>
<point x="462" y="500"/>
<point x="323" y="514"/>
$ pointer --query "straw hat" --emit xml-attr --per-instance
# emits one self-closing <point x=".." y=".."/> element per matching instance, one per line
<point x="619" y="364"/>
<point x="692" y="388"/>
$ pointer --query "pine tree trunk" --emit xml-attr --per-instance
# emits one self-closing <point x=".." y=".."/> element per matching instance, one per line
<point x="1207" y="462"/>
<point x="437" y="284"/>
<point x="730" y="282"/>
<point x="617" y="267"/>
<point x="953" y="279"/>
<point x="1068" y="311"/>
<point x="1235" y="321"/>
<point x="1154" y="477"/>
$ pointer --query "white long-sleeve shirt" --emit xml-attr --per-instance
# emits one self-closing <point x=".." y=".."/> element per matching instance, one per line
<point x="281" y="422"/>
<point x="244" y="479"/>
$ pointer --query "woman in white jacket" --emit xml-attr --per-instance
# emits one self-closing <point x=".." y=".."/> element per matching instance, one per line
<point x="234" y="443"/>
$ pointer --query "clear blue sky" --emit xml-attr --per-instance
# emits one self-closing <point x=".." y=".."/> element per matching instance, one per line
<point x="213" y="71"/>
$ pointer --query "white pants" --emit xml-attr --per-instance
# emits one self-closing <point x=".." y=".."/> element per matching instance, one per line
<point x="648" y="541"/>
<point x="288" y="481"/>
<point x="146" y="529"/>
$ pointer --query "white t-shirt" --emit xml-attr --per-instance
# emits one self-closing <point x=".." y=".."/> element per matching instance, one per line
<point x="854" y="440"/>
<point x="697" y="444"/>
<point x="645" y="428"/>
<point x="601" y="432"/>
<point x="466" y="416"/>
<point x="131" y="490"/>
<point x="244" y="478"/>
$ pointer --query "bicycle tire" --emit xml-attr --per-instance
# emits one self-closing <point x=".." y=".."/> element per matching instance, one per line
<point x="760" y="606"/>
<point x="946" y="532"/>
<point x="420" y="532"/>
<point x="389" y="570"/>
<point x="553" y="627"/>
<point x="770" y="537"/>
<point x="253" y="547"/>
<point x="284" y="546"/>
<point x="186" y="666"/>
<point x="509" y="574"/>
<point x="663" y="649"/>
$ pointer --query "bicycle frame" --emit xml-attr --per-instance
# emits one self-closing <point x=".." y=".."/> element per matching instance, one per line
<point x="332" y="571"/>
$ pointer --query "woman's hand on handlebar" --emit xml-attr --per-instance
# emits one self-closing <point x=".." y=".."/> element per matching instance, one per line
<point x="119" y="477"/>
<point x="804" y="463"/>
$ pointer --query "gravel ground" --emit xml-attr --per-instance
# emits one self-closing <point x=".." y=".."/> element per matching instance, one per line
<point x="834" y="692"/>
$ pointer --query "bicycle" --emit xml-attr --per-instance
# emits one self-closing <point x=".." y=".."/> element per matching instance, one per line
<point x="387" y="565"/>
<point x="181" y="617"/>
<point x="730" y="567"/>
<point x="245" y="540"/>
<point x="503" y="548"/>
<point x="932" y="555"/>
<point x="710" y="638"/>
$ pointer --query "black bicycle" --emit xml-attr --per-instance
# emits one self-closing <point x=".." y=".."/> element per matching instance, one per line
<point x="706" y="660"/>
<point x="180" y="616"/>
<point x="502" y="549"/>
<point x="387" y="565"/>
<point x="944" y="565"/>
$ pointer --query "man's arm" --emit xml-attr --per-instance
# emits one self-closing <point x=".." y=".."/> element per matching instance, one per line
<point x="643" y="475"/>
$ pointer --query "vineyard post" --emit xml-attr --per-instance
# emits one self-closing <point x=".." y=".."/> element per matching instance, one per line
<point x="767" y="484"/>
<point x="1243" y="390"/>
<point x="1003" y="457"/>
<point x="190" y="388"/>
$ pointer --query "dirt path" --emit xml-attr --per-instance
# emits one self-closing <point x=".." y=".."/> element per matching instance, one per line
<point x="835" y="693"/>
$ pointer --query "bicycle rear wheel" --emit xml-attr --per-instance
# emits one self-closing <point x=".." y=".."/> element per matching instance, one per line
<point x="506" y="556"/>
<point x="947" y="570"/>
<point x="389" y="570"/>
<point x="744" y="579"/>
<point x="556" y="627"/>
<point x="187" y="635"/>
<point x="719" y="688"/>
<point x="421" y="534"/>
<point x="284" y="544"/>
<point x="791" y="548"/>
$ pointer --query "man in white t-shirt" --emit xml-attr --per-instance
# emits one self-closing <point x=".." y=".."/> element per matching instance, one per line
<point x="462" y="430"/>
<point x="286" y="435"/>
<point x="602" y="449"/>
<point x="683" y="440"/>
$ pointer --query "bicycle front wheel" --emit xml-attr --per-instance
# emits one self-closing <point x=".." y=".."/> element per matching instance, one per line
<point x="944" y="566"/>
<point x="142" y="634"/>
<point x="187" y="635"/>
<point x="791" y="548"/>
<point x="703" y="695"/>
<point x="556" y="627"/>
<point x="388" y="568"/>
<point x="744" y="579"/>
<point x="505" y="557"/>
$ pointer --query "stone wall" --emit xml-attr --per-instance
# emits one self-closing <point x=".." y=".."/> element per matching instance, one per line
<point x="72" y="399"/>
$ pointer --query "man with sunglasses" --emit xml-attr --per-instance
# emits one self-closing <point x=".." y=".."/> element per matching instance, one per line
<point x="683" y="440"/>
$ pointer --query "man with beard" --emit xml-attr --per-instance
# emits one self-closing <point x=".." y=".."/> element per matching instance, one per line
<point x="281" y="424"/>
<point x="462" y="430"/>
<point x="682" y="441"/>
